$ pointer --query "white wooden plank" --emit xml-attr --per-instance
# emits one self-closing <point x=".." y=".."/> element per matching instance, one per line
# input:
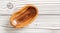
<point x="49" y="0"/>
<point x="43" y="7"/>
<point x="31" y="28"/>
<point x="9" y="30"/>
<point x="49" y="21"/>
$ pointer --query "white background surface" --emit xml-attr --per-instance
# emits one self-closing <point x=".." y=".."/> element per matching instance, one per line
<point x="48" y="20"/>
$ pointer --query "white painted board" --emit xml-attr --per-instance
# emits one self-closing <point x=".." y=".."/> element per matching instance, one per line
<point x="48" y="20"/>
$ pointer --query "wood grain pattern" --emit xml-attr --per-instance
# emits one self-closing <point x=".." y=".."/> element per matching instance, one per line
<point x="47" y="7"/>
<point x="49" y="16"/>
